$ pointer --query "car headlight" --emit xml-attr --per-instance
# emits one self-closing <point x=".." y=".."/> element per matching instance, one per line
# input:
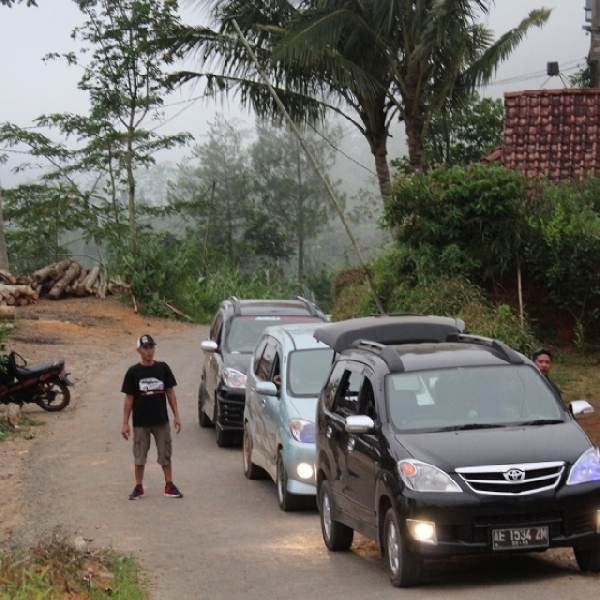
<point x="233" y="378"/>
<point x="421" y="477"/>
<point x="303" y="431"/>
<point x="586" y="468"/>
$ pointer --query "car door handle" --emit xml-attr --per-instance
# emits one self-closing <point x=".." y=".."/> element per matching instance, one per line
<point x="351" y="444"/>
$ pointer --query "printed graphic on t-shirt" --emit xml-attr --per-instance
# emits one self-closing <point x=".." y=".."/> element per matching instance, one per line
<point x="150" y="386"/>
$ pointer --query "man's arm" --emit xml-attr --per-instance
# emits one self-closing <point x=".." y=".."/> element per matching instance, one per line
<point x="172" y="398"/>
<point x="127" y="408"/>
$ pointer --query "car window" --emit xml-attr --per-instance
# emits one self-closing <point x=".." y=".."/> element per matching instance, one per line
<point x="258" y="352"/>
<point x="469" y="396"/>
<point x="346" y="399"/>
<point x="366" y="399"/>
<point x="307" y="370"/>
<point x="215" y="328"/>
<point x="265" y="363"/>
<point x="244" y="331"/>
<point x="333" y="382"/>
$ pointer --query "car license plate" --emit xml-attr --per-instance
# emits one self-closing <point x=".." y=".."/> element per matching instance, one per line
<point x="521" y="537"/>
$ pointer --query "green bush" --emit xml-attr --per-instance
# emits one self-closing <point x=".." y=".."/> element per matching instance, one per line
<point x="166" y="273"/>
<point x="466" y="301"/>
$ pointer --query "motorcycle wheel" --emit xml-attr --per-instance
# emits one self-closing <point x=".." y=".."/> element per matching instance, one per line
<point x="55" y="397"/>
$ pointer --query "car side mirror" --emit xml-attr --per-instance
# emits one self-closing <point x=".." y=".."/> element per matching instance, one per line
<point x="580" y="407"/>
<point x="209" y="346"/>
<point x="266" y="388"/>
<point x="359" y="424"/>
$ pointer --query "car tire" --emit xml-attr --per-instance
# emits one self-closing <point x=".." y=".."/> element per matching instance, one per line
<point x="404" y="566"/>
<point x="203" y="418"/>
<point x="588" y="559"/>
<point x="336" y="535"/>
<point x="287" y="502"/>
<point x="251" y="471"/>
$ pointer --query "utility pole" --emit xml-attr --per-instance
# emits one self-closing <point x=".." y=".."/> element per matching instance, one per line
<point x="592" y="12"/>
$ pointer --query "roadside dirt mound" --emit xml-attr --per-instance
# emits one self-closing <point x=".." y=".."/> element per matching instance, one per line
<point x="89" y="333"/>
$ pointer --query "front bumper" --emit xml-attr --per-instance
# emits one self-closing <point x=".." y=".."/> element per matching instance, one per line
<point x="294" y="454"/>
<point x="464" y="522"/>
<point x="230" y="409"/>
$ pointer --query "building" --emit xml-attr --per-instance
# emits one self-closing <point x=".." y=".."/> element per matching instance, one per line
<point x="555" y="133"/>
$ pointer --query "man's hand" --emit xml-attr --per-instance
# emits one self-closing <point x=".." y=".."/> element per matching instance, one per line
<point x="177" y="424"/>
<point x="125" y="431"/>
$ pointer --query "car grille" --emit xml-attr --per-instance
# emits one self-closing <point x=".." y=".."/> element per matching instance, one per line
<point x="231" y="412"/>
<point x="512" y="480"/>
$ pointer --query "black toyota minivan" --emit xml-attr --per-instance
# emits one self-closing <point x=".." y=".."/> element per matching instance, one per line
<point x="438" y="443"/>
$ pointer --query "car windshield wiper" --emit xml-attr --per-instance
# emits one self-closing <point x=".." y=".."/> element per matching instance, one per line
<point x="467" y="426"/>
<point x="542" y="422"/>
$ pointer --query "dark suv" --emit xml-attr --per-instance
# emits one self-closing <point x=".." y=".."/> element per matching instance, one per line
<point x="437" y="443"/>
<point x="234" y="331"/>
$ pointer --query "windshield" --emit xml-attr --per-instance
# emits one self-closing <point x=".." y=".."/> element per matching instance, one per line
<point x="474" y="397"/>
<point x="307" y="370"/>
<point x="244" y="331"/>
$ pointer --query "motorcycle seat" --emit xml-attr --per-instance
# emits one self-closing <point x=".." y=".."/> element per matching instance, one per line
<point x="22" y="373"/>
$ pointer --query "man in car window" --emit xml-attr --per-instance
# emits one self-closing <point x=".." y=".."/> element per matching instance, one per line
<point x="542" y="357"/>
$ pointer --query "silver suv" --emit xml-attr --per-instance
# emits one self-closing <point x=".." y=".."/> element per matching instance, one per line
<point x="234" y="331"/>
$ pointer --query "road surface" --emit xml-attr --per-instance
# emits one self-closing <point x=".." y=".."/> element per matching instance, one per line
<point x="227" y="539"/>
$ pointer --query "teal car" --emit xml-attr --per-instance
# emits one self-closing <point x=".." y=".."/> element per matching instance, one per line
<point x="288" y="369"/>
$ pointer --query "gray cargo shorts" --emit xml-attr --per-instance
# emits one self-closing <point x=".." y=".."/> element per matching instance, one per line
<point x="162" y="439"/>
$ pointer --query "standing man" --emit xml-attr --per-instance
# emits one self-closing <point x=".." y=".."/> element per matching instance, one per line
<point x="148" y="386"/>
<point x="542" y="357"/>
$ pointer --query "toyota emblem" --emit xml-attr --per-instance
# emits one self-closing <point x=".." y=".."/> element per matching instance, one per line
<point x="514" y="475"/>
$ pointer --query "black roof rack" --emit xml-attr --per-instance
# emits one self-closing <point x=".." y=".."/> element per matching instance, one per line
<point x="503" y="350"/>
<point x="237" y="310"/>
<point x="312" y="309"/>
<point x="389" y="329"/>
<point x="387" y="353"/>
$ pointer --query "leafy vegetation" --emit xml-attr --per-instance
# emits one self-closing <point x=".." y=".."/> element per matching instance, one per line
<point x="460" y="135"/>
<point x="56" y="569"/>
<point x="489" y="226"/>
<point x="373" y="61"/>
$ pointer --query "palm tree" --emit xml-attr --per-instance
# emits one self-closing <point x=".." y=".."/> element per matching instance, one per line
<point x="372" y="61"/>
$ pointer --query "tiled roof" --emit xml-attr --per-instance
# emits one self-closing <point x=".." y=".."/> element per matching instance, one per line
<point x="552" y="132"/>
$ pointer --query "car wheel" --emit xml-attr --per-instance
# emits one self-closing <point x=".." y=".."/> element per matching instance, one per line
<point x="405" y="567"/>
<point x="203" y="418"/>
<point x="251" y="471"/>
<point x="336" y="535"/>
<point x="287" y="502"/>
<point x="588" y="559"/>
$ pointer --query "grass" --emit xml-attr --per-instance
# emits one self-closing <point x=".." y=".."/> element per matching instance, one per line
<point x="58" y="570"/>
<point x="578" y="376"/>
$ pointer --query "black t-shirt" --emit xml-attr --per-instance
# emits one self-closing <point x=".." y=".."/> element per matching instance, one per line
<point x="148" y="386"/>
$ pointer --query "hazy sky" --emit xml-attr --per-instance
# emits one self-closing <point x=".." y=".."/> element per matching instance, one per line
<point x="29" y="87"/>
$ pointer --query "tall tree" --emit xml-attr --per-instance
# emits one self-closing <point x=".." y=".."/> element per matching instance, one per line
<point x="37" y="217"/>
<point x="374" y="61"/>
<point x="214" y="189"/>
<point x="461" y="135"/>
<point x="125" y="80"/>
<point x="290" y="194"/>
<point x="253" y="199"/>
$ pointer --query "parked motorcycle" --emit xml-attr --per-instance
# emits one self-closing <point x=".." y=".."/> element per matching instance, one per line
<point x="45" y="384"/>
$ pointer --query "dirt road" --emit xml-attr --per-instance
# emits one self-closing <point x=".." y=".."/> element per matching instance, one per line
<point x="227" y="538"/>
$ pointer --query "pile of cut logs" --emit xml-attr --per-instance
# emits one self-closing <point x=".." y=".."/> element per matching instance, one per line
<point x="64" y="278"/>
